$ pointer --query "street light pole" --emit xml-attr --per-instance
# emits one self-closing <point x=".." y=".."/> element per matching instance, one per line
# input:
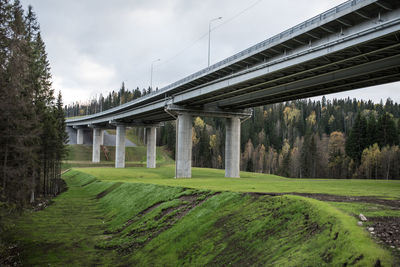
<point x="151" y="73"/>
<point x="209" y="38"/>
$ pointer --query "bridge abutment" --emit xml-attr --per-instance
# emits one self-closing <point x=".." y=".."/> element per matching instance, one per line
<point x="183" y="146"/>
<point x="232" y="147"/>
<point x="120" y="147"/>
<point x="151" y="146"/>
<point x="96" y="145"/>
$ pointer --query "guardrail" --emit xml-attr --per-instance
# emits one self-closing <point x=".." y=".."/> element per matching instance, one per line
<point x="274" y="39"/>
<point x="249" y="51"/>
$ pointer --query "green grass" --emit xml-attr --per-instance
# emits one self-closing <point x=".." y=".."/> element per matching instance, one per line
<point x="106" y="222"/>
<point x="213" y="179"/>
<point x="66" y="232"/>
<point x="144" y="217"/>
<point x="79" y="155"/>
<point x="130" y="135"/>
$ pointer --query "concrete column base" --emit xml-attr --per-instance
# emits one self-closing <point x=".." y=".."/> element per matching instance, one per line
<point x="96" y="145"/>
<point x="79" y="136"/>
<point x="120" y="147"/>
<point x="151" y="146"/>
<point x="232" y="147"/>
<point x="183" y="155"/>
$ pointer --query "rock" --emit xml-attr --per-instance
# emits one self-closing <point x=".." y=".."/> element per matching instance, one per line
<point x="362" y="217"/>
<point x="372" y="233"/>
<point x="371" y="229"/>
<point x="359" y="223"/>
<point x="392" y="246"/>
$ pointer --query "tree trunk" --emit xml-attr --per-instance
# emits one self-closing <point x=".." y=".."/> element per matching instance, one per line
<point x="33" y="186"/>
<point x="44" y="176"/>
<point x="388" y="169"/>
<point x="5" y="167"/>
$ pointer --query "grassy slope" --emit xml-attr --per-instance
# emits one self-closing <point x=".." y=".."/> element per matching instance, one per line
<point x="131" y="135"/>
<point x="143" y="220"/>
<point x="81" y="156"/>
<point x="213" y="179"/>
<point x="65" y="232"/>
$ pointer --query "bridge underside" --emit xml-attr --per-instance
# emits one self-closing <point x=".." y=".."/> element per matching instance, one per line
<point x="367" y="64"/>
<point x="354" y="45"/>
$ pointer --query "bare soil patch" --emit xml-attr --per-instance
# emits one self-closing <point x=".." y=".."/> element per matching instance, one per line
<point x="387" y="231"/>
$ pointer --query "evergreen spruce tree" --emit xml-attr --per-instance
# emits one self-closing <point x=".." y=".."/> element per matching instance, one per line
<point x="372" y="130"/>
<point x="387" y="132"/>
<point x="357" y="140"/>
<point x="19" y="135"/>
<point x="30" y="136"/>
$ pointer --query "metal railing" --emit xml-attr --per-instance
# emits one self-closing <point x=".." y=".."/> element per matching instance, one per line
<point x="241" y="55"/>
<point x="274" y="39"/>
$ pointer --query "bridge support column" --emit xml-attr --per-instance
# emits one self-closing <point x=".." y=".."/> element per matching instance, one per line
<point x="120" y="147"/>
<point x="79" y="136"/>
<point x="96" y="145"/>
<point x="101" y="137"/>
<point x="151" y="147"/>
<point x="232" y="147"/>
<point x="183" y="153"/>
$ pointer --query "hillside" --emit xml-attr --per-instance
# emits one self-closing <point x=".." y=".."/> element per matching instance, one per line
<point x="121" y="223"/>
<point x="81" y="156"/>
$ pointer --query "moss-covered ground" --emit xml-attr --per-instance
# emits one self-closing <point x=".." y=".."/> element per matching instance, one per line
<point x="145" y="217"/>
<point x="127" y="220"/>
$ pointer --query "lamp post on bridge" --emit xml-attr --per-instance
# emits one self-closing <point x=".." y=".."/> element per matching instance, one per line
<point x="151" y="73"/>
<point x="209" y="37"/>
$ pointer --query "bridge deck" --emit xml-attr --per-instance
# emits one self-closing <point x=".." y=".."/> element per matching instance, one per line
<point x="353" y="45"/>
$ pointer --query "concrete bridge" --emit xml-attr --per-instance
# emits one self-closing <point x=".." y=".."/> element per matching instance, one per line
<point x="351" y="46"/>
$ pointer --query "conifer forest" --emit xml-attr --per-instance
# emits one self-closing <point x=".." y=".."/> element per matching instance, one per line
<point x="32" y="132"/>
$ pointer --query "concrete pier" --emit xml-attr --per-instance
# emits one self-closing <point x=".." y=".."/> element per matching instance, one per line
<point x="151" y="146"/>
<point x="120" y="147"/>
<point x="232" y="147"/>
<point x="184" y="146"/>
<point x="101" y="137"/>
<point x="79" y="136"/>
<point x="96" y="145"/>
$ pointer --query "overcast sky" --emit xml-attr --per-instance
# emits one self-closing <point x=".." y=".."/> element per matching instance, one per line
<point x="95" y="45"/>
